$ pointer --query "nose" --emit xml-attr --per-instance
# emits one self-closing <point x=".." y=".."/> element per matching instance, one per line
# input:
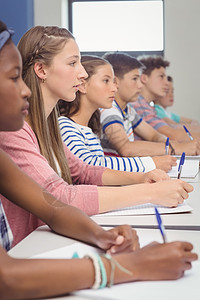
<point x="114" y="87"/>
<point x="82" y="73"/>
<point x="26" y="92"/>
<point x="139" y="84"/>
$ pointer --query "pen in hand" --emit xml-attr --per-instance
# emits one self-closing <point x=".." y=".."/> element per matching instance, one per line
<point x="188" y="133"/>
<point x="160" y="225"/>
<point x="182" y="160"/>
<point x="167" y="146"/>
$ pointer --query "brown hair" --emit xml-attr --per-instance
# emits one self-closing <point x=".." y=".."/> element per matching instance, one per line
<point x="153" y="62"/>
<point x="122" y="63"/>
<point x="41" y="44"/>
<point x="68" y="109"/>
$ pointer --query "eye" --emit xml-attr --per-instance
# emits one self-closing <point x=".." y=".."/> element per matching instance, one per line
<point x="15" y="78"/>
<point x="72" y="63"/>
<point x="106" y="81"/>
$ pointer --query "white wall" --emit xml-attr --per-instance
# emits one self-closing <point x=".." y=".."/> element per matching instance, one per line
<point x="182" y="46"/>
<point x="182" y="49"/>
<point x="51" y="12"/>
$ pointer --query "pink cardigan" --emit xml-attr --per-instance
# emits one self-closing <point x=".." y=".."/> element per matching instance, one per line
<point x="23" y="148"/>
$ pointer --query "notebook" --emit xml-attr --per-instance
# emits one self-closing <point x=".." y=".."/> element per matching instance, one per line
<point x="148" y="209"/>
<point x="189" y="170"/>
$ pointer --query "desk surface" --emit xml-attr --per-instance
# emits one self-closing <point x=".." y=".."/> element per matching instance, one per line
<point x="43" y="240"/>
<point x="181" y="221"/>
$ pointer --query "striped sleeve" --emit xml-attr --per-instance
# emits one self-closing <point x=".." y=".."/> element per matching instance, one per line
<point x="85" y="144"/>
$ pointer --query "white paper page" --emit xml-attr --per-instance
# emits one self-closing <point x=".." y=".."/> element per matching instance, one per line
<point x="189" y="169"/>
<point x="148" y="209"/>
<point x="197" y="157"/>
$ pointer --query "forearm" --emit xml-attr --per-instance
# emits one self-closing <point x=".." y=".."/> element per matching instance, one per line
<point x="111" y="198"/>
<point x="142" y="148"/>
<point x="114" y="177"/>
<point x="72" y="222"/>
<point x="176" y="134"/>
<point x="28" y="279"/>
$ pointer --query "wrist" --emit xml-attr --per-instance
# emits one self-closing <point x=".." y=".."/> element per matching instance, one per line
<point x="172" y="150"/>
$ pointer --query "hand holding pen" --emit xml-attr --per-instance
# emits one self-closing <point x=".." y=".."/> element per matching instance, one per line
<point x="167" y="146"/>
<point x="182" y="160"/>
<point x="188" y="133"/>
<point x="160" y="225"/>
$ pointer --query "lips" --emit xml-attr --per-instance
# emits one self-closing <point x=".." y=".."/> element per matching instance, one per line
<point x="25" y="109"/>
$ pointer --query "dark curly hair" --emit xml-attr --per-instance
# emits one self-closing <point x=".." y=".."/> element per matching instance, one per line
<point x="153" y="62"/>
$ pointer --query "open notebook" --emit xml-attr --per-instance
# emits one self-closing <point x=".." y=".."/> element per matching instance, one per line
<point x="148" y="209"/>
<point x="189" y="170"/>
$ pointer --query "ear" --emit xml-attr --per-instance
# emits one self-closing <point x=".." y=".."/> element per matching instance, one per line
<point x="40" y="71"/>
<point x="83" y="87"/>
<point x="143" y="78"/>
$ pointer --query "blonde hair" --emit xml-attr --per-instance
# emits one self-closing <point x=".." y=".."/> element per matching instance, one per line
<point x="41" y="44"/>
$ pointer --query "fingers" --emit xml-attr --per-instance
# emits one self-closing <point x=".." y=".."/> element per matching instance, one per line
<point x="126" y="241"/>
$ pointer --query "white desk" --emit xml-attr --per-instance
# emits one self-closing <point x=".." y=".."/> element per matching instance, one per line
<point x="43" y="240"/>
<point x="183" y="221"/>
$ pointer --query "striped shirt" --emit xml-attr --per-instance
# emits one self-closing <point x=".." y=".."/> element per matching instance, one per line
<point x="148" y="113"/>
<point x="6" y="236"/>
<point x="86" y="145"/>
<point x="128" y="118"/>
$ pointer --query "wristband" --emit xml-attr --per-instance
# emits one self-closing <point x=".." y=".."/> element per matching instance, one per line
<point x="115" y="264"/>
<point x="172" y="149"/>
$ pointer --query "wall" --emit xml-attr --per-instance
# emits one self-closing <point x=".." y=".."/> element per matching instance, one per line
<point x="182" y="49"/>
<point x="51" y="12"/>
<point x="182" y="46"/>
<point x="17" y="14"/>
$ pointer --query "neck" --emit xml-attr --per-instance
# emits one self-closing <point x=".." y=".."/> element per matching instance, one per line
<point x="148" y="96"/>
<point x="85" y="112"/>
<point x="122" y="104"/>
<point x="49" y="101"/>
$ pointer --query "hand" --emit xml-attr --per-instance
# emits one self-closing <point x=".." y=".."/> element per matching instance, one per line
<point x="169" y="192"/>
<point x="190" y="148"/>
<point x="155" y="175"/>
<point x="157" y="262"/>
<point x="165" y="162"/>
<point x="119" y="239"/>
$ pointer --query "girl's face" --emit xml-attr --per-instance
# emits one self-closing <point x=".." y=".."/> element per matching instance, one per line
<point x="65" y="74"/>
<point x="167" y="100"/>
<point x="100" y="87"/>
<point x="13" y="91"/>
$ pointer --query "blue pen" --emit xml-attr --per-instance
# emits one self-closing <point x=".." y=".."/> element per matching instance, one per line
<point x="167" y="146"/>
<point x="160" y="225"/>
<point x="182" y="160"/>
<point x="188" y="133"/>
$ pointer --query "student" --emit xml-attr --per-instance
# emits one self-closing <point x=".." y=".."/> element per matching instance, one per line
<point x="121" y="123"/>
<point x="80" y="120"/>
<point x="27" y="278"/>
<point x="52" y="70"/>
<point x="154" y="85"/>
<point x="161" y="105"/>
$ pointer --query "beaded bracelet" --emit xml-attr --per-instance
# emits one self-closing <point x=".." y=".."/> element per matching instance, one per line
<point x="114" y="264"/>
<point x="100" y="272"/>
